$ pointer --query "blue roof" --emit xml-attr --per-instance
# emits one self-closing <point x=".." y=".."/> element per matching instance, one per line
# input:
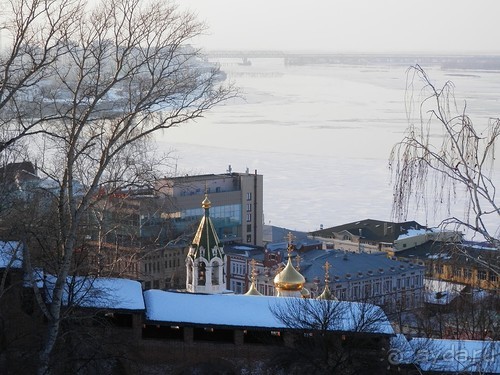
<point x="358" y="265"/>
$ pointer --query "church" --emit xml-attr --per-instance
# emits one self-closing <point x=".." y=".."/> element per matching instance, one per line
<point x="205" y="266"/>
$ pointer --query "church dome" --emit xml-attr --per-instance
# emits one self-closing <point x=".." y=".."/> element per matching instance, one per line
<point x="327" y="294"/>
<point x="289" y="279"/>
<point x="253" y="291"/>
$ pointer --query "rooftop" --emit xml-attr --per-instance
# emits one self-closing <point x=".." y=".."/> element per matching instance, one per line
<point x="247" y="311"/>
<point x="357" y="265"/>
<point x="372" y="230"/>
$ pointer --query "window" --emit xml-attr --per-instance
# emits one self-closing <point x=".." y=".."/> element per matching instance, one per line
<point x="457" y="272"/>
<point x="492" y="276"/>
<point x="249" y="196"/>
<point x="249" y="227"/>
<point x="249" y="218"/>
<point x="201" y="273"/>
<point x="249" y="238"/>
<point x="238" y="287"/>
<point x="481" y="275"/>
<point x="467" y="273"/>
<point x="249" y="207"/>
<point x="215" y="274"/>
<point x="388" y="285"/>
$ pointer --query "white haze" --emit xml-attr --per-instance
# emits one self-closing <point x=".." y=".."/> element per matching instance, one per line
<point x="447" y="26"/>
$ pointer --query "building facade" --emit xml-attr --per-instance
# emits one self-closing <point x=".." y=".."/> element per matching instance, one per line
<point x="475" y="265"/>
<point x="375" y="236"/>
<point x="374" y="278"/>
<point x="236" y="204"/>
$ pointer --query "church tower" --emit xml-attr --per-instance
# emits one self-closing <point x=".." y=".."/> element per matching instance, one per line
<point x="206" y="259"/>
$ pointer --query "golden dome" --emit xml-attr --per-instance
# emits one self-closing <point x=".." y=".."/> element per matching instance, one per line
<point x="206" y="202"/>
<point x="327" y="294"/>
<point x="253" y="291"/>
<point x="289" y="278"/>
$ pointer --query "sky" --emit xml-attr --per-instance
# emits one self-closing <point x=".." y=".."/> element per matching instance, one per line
<point x="349" y="25"/>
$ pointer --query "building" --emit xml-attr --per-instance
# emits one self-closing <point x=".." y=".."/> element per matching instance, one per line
<point x="372" y="236"/>
<point x="396" y="285"/>
<point x="236" y="198"/>
<point x="365" y="277"/>
<point x="157" y="223"/>
<point x="473" y="264"/>
<point x="239" y="270"/>
<point x="164" y="267"/>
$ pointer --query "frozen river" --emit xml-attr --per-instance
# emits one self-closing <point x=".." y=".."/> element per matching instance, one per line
<point x="320" y="136"/>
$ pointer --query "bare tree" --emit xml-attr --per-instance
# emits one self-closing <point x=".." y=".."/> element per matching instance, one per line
<point x="110" y="76"/>
<point x="36" y="32"/>
<point x="442" y="156"/>
<point x="331" y="336"/>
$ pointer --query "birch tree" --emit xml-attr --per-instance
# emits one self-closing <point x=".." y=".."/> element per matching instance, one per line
<point x="444" y="158"/>
<point x="90" y="84"/>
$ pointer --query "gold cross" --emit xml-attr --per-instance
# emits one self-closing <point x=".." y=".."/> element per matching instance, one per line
<point x="327" y="267"/>
<point x="290" y="238"/>
<point x="253" y="272"/>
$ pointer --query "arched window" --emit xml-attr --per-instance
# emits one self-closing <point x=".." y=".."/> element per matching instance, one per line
<point x="201" y="273"/>
<point x="190" y="272"/>
<point x="215" y="273"/>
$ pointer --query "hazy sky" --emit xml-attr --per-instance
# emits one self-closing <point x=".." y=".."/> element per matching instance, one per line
<point x="350" y="25"/>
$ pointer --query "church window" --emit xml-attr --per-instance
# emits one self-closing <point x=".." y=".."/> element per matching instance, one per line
<point x="201" y="273"/>
<point x="190" y="272"/>
<point x="215" y="273"/>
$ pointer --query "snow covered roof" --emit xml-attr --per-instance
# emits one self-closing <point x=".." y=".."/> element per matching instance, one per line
<point x="413" y="232"/>
<point x="443" y="355"/>
<point x="457" y="356"/>
<point x="98" y="293"/>
<point x="11" y="254"/>
<point x="246" y="311"/>
<point x="441" y="292"/>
